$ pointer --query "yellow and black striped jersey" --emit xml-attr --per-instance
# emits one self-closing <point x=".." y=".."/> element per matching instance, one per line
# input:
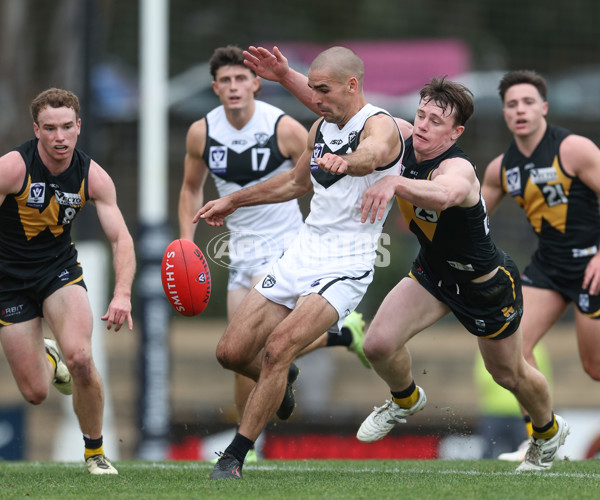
<point x="35" y="223"/>
<point x="455" y="242"/>
<point x="562" y="210"/>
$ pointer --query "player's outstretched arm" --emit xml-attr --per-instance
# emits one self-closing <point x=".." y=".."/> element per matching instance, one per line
<point x="103" y="193"/>
<point x="274" y="66"/>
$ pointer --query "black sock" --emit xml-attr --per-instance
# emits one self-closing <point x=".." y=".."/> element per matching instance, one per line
<point x="342" y="338"/>
<point x="92" y="444"/>
<point x="406" y="392"/>
<point x="239" y="447"/>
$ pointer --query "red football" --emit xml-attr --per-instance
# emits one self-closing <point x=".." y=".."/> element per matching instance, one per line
<point x="185" y="277"/>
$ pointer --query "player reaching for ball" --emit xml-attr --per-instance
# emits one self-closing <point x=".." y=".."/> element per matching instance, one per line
<point x="44" y="183"/>
<point x="241" y="143"/>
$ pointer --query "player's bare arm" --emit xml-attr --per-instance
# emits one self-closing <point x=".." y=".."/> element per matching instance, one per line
<point x="491" y="189"/>
<point x="406" y="128"/>
<point x="274" y="66"/>
<point x="581" y="157"/>
<point x="283" y="187"/>
<point x="291" y="138"/>
<point x="380" y="145"/>
<point x="191" y="194"/>
<point x="454" y="183"/>
<point x="12" y="174"/>
<point x="103" y="193"/>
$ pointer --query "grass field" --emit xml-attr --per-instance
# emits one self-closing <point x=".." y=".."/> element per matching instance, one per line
<point x="310" y="479"/>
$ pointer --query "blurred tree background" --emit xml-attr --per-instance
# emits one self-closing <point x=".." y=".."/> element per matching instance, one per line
<point x="91" y="47"/>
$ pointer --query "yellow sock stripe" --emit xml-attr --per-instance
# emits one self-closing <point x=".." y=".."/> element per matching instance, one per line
<point x="548" y="434"/>
<point x="408" y="402"/>
<point x="529" y="427"/>
<point x="90" y="452"/>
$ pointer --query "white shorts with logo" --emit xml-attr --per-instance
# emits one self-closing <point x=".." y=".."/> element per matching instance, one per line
<point x="286" y="282"/>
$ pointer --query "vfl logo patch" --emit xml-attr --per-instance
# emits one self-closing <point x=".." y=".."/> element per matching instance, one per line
<point x="513" y="181"/>
<point x="269" y="281"/>
<point x="262" y="138"/>
<point x="584" y="302"/>
<point x="37" y="193"/>
<point x="317" y="153"/>
<point x="217" y="158"/>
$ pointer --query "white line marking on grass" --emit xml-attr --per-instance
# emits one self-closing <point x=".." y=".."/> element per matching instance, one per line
<point x="269" y="466"/>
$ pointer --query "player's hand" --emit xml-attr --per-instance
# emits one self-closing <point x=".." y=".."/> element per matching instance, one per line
<point x="591" y="277"/>
<point x="332" y="163"/>
<point x="270" y="66"/>
<point x="376" y="198"/>
<point x="215" y="211"/>
<point x="119" y="310"/>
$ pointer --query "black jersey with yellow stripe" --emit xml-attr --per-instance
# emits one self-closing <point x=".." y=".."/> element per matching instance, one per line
<point x="35" y="223"/>
<point x="455" y="242"/>
<point x="562" y="210"/>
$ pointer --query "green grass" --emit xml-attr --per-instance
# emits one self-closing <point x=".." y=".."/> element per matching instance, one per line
<point x="305" y="479"/>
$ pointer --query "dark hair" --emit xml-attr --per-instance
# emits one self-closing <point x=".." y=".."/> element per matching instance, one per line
<point x="523" y="76"/>
<point x="226" y="56"/>
<point x="55" y="98"/>
<point x="450" y="95"/>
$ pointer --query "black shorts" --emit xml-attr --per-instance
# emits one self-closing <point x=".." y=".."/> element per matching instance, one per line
<point x="492" y="309"/>
<point x="22" y="300"/>
<point x="537" y="276"/>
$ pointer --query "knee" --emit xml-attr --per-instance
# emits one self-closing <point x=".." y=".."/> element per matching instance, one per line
<point x="81" y="366"/>
<point x="592" y="368"/>
<point x="376" y="349"/>
<point x="506" y="380"/>
<point x="229" y="357"/>
<point x="35" y="395"/>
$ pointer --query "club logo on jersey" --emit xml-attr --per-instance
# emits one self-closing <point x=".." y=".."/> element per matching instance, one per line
<point x="543" y="175"/>
<point x="352" y="138"/>
<point x="317" y="153"/>
<point x="37" y="193"/>
<point x="262" y="138"/>
<point x="269" y="281"/>
<point x="68" y="199"/>
<point x="513" y="181"/>
<point x="217" y="159"/>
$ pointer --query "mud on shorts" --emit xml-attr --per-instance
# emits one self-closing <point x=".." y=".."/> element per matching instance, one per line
<point x="537" y="276"/>
<point x="21" y="300"/>
<point x="492" y="309"/>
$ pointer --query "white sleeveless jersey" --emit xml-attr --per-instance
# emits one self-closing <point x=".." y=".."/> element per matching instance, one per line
<point x="333" y="231"/>
<point x="242" y="158"/>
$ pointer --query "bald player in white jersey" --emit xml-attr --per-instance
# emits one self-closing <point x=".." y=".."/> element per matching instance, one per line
<point x="326" y="271"/>
<point x="241" y="143"/>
